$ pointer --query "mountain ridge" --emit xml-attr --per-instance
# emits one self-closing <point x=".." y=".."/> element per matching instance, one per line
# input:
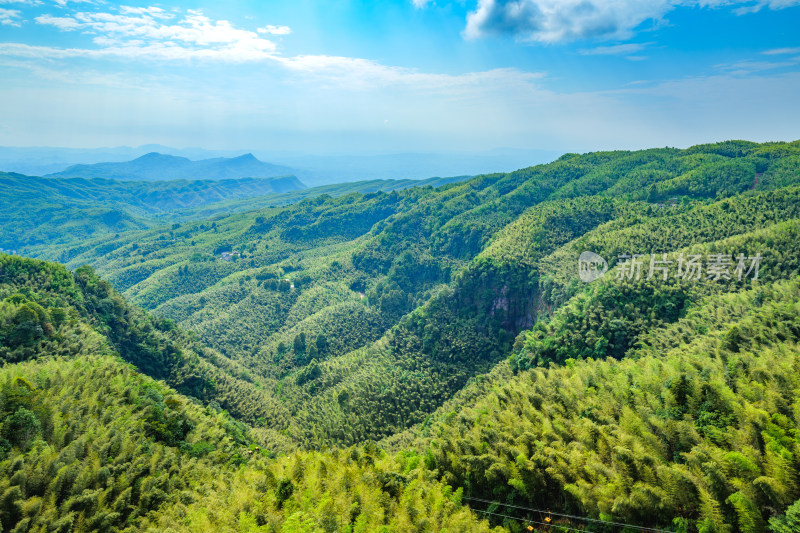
<point x="155" y="166"/>
<point x="450" y="325"/>
<point x="49" y="210"/>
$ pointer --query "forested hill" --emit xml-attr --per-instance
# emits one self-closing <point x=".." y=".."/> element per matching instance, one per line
<point x="89" y="442"/>
<point x="48" y="211"/>
<point x="451" y="325"/>
<point x="365" y="312"/>
<point x="47" y="311"/>
<point x="54" y="213"/>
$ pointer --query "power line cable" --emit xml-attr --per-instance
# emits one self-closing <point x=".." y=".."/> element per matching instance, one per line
<point x="562" y="515"/>
<point x="530" y="521"/>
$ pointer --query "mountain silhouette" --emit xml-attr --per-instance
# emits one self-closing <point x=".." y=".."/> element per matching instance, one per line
<point x="156" y="166"/>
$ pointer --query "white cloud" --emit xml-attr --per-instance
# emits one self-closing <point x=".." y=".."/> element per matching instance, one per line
<point x="61" y="23"/>
<point x="150" y="33"/>
<point x="63" y="3"/>
<point x="155" y="12"/>
<point x="275" y="30"/>
<point x="758" y="6"/>
<point x="747" y="67"/>
<point x="552" y="21"/>
<point x="781" y="51"/>
<point x="360" y="74"/>
<point x="154" y="34"/>
<point x="135" y="50"/>
<point x="87" y="77"/>
<point x="419" y="4"/>
<point x="333" y="71"/>
<point x="9" y="17"/>
<point x="616" y="49"/>
<point x="195" y="28"/>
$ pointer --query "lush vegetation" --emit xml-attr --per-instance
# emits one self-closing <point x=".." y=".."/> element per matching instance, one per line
<point x="450" y="325"/>
<point x="698" y="430"/>
<point x="45" y="310"/>
<point x="91" y="445"/>
<point x="46" y="211"/>
<point x="51" y="213"/>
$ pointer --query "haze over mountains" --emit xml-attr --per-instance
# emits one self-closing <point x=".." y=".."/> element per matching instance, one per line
<point x="311" y="169"/>
<point x="43" y="211"/>
<point x="156" y="166"/>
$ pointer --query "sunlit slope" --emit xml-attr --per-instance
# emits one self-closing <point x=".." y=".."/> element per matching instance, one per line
<point x="696" y="426"/>
<point x="363" y="313"/>
<point x="89" y="444"/>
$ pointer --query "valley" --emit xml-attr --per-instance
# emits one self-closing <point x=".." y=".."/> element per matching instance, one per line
<point x="401" y="355"/>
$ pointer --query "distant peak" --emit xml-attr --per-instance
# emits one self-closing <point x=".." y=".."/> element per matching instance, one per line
<point x="156" y="158"/>
<point x="156" y="155"/>
<point x="246" y="157"/>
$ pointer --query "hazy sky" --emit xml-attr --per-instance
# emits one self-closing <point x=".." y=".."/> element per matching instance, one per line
<point x="393" y="76"/>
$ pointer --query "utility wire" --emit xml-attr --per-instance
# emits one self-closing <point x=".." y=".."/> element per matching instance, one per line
<point x="619" y="524"/>
<point x="530" y="521"/>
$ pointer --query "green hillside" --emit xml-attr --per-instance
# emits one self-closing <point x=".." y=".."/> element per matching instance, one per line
<point x="45" y="310"/>
<point x="696" y="428"/>
<point x="477" y="262"/>
<point x="49" y="211"/>
<point x="91" y="445"/>
<point x="89" y="441"/>
<point x="450" y="325"/>
<point x="49" y="215"/>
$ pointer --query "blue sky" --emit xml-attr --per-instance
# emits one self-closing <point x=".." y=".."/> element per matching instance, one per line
<point x="342" y="76"/>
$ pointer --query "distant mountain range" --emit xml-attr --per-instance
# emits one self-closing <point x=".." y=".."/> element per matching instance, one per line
<point x="156" y="166"/>
<point x="41" y="160"/>
<point x="312" y="170"/>
<point x="49" y="210"/>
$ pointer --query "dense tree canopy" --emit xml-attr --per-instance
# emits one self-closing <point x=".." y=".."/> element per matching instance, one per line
<point x="263" y="354"/>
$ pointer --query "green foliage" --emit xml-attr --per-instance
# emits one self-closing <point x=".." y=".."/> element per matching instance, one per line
<point x="788" y="523"/>
<point x="309" y="373"/>
<point x="21" y="427"/>
<point x="449" y="277"/>
<point x="692" y="429"/>
<point x="108" y="465"/>
<point x="349" y="318"/>
<point x="46" y="211"/>
<point x="79" y="314"/>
